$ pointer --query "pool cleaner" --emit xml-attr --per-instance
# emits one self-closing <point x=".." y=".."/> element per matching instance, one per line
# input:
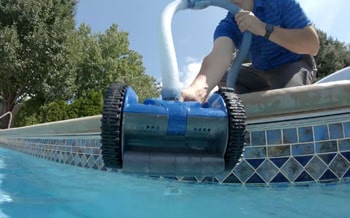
<point x="167" y="137"/>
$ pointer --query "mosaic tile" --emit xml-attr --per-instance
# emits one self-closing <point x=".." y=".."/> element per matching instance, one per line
<point x="99" y="145"/>
<point x="209" y="179"/>
<point x="66" y="148"/>
<point x="336" y="131"/>
<point x="346" y="155"/>
<point x="69" y="142"/>
<point x="76" y="159"/>
<point x="290" y="136"/>
<point x="70" y="159"/>
<point x="321" y="132"/>
<point x="88" y="150"/>
<point x="99" y="162"/>
<point x="279" y="178"/>
<point x="326" y="146"/>
<point x="303" y="160"/>
<point x="344" y="145"/>
<point x="84" y="161"/>
<point x="255" y="163"/>
<point x="51" y="154"/>
<point x="346" y="129"/>
<point x="305" y="134"/>
<point x="328" y="175"/>
<point x="316" y="167"/>
<point x="231" y="179"/>
<point x="254" y="152"/>
<point x="96" y="151"/>
<point x="347" y="174"/>
<point x="243" y="171"/>
<point x="302" y="149"/>
<point x="60" y="156"/>
<point x="292" y="169"/>
<point x="279" y="161"/>
<point x="304" y="177"/>
<point x="274" y="137"/>
<point x="267" y="170"/>
<point x="256" y="179"/>
<point x="90" y="143"/>
<point x="258" y="138"/>
<point x="327" y="158"/>
<point x="247" y="138"/>
<point x="199" y="178"/>
<point x="278" y="151"/>
<point x="222" y="176"/>
<point x="65" y="157"/>
<point x="90" y="160"/>
<point x="57" y="156"/>
<point x="74" y="149"/>
<point x="339" y="165"/>
<point x="86" y="142"/>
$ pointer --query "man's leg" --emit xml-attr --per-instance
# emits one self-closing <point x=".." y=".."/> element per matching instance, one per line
<point x="249" y="80"/>
<point x="302" y="72"/>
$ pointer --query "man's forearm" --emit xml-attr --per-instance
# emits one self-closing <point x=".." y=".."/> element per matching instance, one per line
<point x="215" y="64"/>
<point x="300" y="41"/>
<point x="211" y="72"/>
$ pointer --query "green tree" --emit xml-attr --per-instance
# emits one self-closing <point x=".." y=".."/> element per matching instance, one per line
<point x="333" y="55"/>
<point x="97" y="60"/>
<point x="86" y="106"/>
<point x="61" y="110"/>
<point x="107" y="58"/>
<point x="34" y="55"/>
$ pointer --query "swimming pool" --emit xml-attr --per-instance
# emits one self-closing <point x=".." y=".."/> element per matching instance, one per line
<point x="296" y="164"/>
<point x="34" y="187"/>
<point x="294" y="136"/>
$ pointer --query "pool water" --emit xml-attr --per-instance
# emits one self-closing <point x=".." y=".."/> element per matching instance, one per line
<point x="34" y="187"/>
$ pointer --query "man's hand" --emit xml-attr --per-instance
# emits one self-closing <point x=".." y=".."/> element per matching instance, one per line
<point x="193" y="93"/>
<point x="247" y="21"/>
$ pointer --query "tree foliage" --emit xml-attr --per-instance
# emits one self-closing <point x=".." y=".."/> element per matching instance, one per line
<point x="56" y="71"/>
<point x="62" y="110"/>
<point x="34" y="60"/>
<point x="333" y="55"/>
<point x="107" y="58"/>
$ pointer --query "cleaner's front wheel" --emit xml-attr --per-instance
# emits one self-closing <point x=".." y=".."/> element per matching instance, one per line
<point x="236" y="125"/>
<point x="111" y="124"/>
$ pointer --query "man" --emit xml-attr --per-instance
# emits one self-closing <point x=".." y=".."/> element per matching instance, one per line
<point x="283" y="45"/>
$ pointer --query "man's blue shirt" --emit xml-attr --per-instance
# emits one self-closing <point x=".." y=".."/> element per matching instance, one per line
<point x="265" y="54"/>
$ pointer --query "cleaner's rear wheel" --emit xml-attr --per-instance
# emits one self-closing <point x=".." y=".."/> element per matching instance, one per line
<point x="111" y="124"/>
<point x="237" y="125"/>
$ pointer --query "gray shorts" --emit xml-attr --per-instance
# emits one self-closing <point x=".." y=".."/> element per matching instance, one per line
<point x="298" y="73"/>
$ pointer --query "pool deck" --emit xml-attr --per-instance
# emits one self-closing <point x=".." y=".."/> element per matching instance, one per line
<point x="297" y="135"/>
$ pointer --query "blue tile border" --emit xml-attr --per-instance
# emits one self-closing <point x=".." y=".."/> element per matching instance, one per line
<point x="318" y="153"/>
<point x="290" y="135"/>
<point x="346" y="126"/>
<point x="321" y="132"/>
<point x="258" y="138"/>
<point x="303" y="149"/>
<point x="305" y="134"/>
<point x="274" y="137"/>
<point x="336" y="131"/>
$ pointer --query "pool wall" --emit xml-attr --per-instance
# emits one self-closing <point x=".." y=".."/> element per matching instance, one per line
<point x="298" y="135"/>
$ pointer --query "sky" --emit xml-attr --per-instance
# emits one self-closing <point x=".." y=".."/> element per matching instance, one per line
<point x="192" y="29"/>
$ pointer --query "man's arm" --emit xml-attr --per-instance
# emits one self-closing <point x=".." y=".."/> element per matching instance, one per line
<point x="213" y="68"/>
<point x="300" y="41"/>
